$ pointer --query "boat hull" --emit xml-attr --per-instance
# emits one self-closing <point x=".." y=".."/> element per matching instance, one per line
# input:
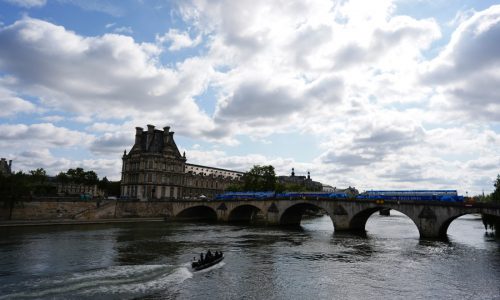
<point x="207" y="265"/>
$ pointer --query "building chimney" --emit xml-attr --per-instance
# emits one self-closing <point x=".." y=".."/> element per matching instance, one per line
<point x="10" y="165"/>
<point x="149" y="138"/>
<point x="166" y="136"/>
<point x="138" y="136"/>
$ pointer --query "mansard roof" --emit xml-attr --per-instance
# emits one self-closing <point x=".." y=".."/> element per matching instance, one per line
<point x="155" y="141"/>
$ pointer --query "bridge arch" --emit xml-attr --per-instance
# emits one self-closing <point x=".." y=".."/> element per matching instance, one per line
<point x="246" y="213"/>
<point x="198" y="212"/>
<point x="443" y="229"/>
<point x="359" y="220"/>
<point x="293" y="214"/>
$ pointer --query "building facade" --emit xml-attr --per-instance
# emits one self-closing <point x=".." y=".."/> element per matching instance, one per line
<point x="328" y="188"/>
<point x="5" y="168"/>
<point x="71" y="189"/>
<point x="154" y="169"/>
<point x="303" y="181"/>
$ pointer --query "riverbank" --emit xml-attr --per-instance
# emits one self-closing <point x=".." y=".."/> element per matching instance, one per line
<point x="51" y="222"/>
<point x="71" y="212"/>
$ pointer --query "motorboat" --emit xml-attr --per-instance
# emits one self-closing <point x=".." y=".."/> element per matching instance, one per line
<point x="208" y="261"/>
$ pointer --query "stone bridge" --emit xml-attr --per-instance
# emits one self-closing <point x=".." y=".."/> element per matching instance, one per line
<point x="431" y="218"/>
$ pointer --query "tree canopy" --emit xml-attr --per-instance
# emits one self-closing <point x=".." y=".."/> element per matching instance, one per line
<point x="260" y="178"/>
<point x="495" y="196"/>
<point x="22" y="185"/>
<point x="263" y="179"/>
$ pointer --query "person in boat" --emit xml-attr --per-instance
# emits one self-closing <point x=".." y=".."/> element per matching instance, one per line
<point x="206" y="259"/>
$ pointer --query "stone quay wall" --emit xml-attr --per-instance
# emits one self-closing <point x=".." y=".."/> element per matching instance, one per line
<point x="82" y="210"/>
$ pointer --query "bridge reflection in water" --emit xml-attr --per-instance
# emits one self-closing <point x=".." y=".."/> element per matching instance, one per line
<point x="431" y="218"/>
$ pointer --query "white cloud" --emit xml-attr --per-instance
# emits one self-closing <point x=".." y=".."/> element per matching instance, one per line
<point x="43" y="158"/>
<point x="178" y="40"/>
<point x="112" y="143"/>
<point x="105" y="127"/>
<point x="42" y="135"/>
<point x="28" y="3"/>
<point x="52" y="118"/>
<point x="466" y="73"/>
<point x="12" y="105"/>
<point x="305" y="59"/>
<point x="116" y="77"/>
<point x="124" y="29"/>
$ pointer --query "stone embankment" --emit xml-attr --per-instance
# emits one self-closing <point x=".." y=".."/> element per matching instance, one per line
<point x="49" y="211"/>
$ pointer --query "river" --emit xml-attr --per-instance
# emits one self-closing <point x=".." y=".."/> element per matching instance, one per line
<point x="151" y="261"/>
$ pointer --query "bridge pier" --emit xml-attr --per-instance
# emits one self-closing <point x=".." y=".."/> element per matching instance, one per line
<point x="429" y="228"/>
<point x="272" y="218"/>
<point x="342" y="223"/>
<point x="222" y="216"/>
<point x="429" y="232"/>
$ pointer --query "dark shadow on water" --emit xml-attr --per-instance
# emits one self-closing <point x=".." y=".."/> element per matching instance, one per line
<point x="491" y="235"/>
<point x="350" y="234"/>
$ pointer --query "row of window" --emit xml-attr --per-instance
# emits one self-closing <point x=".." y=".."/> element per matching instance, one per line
<point x="73" y="189"/>
<point x="152" y="178"/>
<point x="206" y="171"/>
<point x="158" y="192"/>
<point x="151" y="192"/>
<point x="172" y="180"/>
<point x="152" y="165"/>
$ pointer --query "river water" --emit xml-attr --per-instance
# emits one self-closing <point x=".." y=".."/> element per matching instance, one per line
<point x="151" y="261"/>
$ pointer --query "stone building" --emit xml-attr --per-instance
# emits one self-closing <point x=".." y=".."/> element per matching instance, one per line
<point x="71" y="189"/>
<point x="5" y="168"/>
<point x="154" y="169"/>
<point x="328" y="188"/>
<point x="303" y="181"/>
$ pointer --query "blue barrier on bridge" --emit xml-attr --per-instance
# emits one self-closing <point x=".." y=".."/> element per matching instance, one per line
<point x="411" y="195"/>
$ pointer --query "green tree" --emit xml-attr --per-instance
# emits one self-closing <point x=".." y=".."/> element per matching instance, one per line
<point x="495" y="197"/>
<point x="289" y="187"/>
<point x="110" y="188"/>
<point x="39" y="175"/>
<point x="38" y="183"/>
<point x="90" y="178"/>
<point x="113" y="188"/>
<point x="76" y="175"/>
<point x="260" y="178"/>
<point x="15" y="187"/>
<point x="236" y="187"/>
<point x="103" y="183"/>
<point x="62" y="178"/>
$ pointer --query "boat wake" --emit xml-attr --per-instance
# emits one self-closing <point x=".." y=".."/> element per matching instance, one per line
<point x="216" y="266"/>
<point x="112" y="283"/>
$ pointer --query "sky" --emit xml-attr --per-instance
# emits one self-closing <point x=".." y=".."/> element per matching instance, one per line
<point x="388" y="94"/>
